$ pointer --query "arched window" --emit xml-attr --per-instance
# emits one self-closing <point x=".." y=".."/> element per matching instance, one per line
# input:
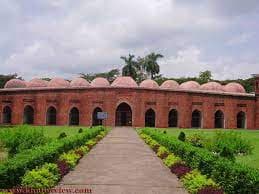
<point x="123" y="115"/>
<point x="28" y="115"/>
<point x="150" y="118"/>
<point x="95" y="120"/>
<point x="7" y="115"/>
<point x="219" y="119"/>
<point x="196" y="119"/>
<point x="241" y="120"/>
<point x="173" y="118"/>
<point x="74" y="116"/>
<point x="51" y="116"/>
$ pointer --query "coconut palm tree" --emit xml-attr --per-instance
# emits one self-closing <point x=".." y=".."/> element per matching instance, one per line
<point x="131" y="67"/>
<point x="151" y="66"/>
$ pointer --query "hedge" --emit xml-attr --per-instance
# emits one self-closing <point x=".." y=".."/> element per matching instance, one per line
<point x="232" y="177"/>
<point x="14" y="168"/>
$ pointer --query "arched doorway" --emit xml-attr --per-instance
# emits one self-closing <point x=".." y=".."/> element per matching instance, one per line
<point x="7" y="115"/>
<point x="51" y="117"/>
<point x="150" y="118"/>
<point x="123" y="115"/>
<point x="95" y="120"/>
<point x="241" y="120"/>
<point x="196" y="119"/>
<point x="28" y="115"/>
<point x="74" y="116"/>
<point x="173" y="118"/>
<point x="219" y="119"/>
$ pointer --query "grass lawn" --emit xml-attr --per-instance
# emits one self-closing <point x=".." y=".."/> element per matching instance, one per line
<point x="252" y="135"/>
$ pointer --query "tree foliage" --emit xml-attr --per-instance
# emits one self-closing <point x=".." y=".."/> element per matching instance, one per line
<point x="6" y="78"/>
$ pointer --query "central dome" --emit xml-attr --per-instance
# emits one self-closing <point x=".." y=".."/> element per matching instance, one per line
<point x="124" y="81"/>
<point x="190" y="85"/>
<point x="169" y="84"/>
<point x="148" y="83"/>
<point x="35" y="83"/>
<point x="79" y="82"/>
<point x="100" y="82"/>
<point x="15" y="83"/>
<point x="58" y="82"/>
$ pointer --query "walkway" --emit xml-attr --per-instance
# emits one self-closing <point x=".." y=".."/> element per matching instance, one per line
<point x="122" y="163"/>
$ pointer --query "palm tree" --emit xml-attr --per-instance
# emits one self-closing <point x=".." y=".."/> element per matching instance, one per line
<point x="151" y="65"/>
<point x="130" y="68"/>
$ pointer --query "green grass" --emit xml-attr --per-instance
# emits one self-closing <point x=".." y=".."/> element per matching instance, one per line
<point x="252" y="135"/>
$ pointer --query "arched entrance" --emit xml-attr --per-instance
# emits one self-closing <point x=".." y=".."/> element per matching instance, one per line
<point x="219" y="119"/>
<point x="7" y="115"/>
<point x="173" y="118"/>
<point x="95" y="120"/>
<point x="123" y="115"/>
<point x="74" y="116"/>
<point x="28" y="115"/>
<point x="51" y="117"/>
<point x="196" y="119"/>
<point x="150" y="118"/>
<point x="241" y="120"/>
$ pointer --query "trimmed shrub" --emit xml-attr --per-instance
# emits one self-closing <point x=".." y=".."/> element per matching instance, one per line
<point x="63" y="167"/>
<point x="182" y="136"/>
<point x="90" y="143"/>
<point x="194" y="181"/>
<point x="154" y="145"/>
<point x="197" y="140"/>
<point x="180" y="169"/>
<point x="210" y="190"/>
<point x="80" y="130"/>
<point x="162" y="152"/>
<point x="171" y="159"/>
<point x="62" y="135"/>
<point x="71" y="158"/>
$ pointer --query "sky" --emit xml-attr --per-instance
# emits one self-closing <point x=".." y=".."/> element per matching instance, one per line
<point x="61" y="38"/>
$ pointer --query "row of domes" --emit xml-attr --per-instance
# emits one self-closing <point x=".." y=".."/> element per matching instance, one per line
<point x="125" y="81"/>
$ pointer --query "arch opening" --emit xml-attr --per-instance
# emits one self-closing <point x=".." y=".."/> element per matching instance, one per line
<point x="196" y="119"/>
<point x="123" y="115"/>
<point x="28" y="115"/>
<point x="241" y="120"/>
<point x="173" y="118"/>
<point x="219" y="121"/>
<point x="95" y="120"/>
<point x="7" y="115"/>
<point x="150" y="118"/>
<point x="51" y="116"/>
<point x="74" y="116"/>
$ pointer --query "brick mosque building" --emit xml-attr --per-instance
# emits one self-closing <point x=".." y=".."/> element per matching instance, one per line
<point x="188" y="105"/>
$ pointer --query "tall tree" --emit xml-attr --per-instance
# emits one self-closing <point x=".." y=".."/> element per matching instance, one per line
<point x="131" y="66"/>
<point x="151" y="65"/>
<point x="6" y="78"/>
<point x="205" y="76"/>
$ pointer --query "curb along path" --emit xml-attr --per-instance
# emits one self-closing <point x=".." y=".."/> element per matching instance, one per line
<point x="122" y="163"/>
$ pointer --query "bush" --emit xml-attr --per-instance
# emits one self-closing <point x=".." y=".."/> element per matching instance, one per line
<point x="197" y="140"/>
<point x="194" y="181"/>
<point x="227" y="153"/>
<point x="71" y="158"/>
<point x="21" y="138"/>
<point x="90" y="143"/>
<point x="171" y="159"/>
<point x="162" y="152"/>
<point x="180" y="169"/>
<point x="80" y="130"/>
<point x="210" y="190"/>
<point x="154" y="145"/>
<point x="62" y="135"/>
<point x="14" y="168"/>
<point x="63" y="167"/>
<point x="45" y="177"/>
<point x="181" y="136"/>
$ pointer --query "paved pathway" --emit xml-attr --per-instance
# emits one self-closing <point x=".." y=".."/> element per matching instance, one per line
<point x="122" y="163"/>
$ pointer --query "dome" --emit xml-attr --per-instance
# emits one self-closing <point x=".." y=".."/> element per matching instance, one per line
<point x="37" y="83"/>
<point x="212" y="86"/>
<point x="190" y="85"/>
<point x="58" y="82"/>
<point x="169" y="84"/>
<point x="148" y="83"/>
<point x="79" y="82"/>
<point x="234" y="87"/>
<point x="100" y="82"/>
<point x="15" y="83"/>
<point x="124" y="81"/>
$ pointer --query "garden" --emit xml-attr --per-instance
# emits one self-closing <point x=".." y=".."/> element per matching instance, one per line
<point x="207" y="161"/>
<point x="38" y="157"/>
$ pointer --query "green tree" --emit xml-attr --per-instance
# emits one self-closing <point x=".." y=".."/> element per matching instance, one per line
<point x="110" y="75"/>
<point x="131" y="66"/>
<point x="205" y="76"/>
<point x="6" y="78"/>
<point x="150" y="64"/>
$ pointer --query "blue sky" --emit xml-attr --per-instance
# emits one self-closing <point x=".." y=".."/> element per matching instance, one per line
<point x="47" y="38"/>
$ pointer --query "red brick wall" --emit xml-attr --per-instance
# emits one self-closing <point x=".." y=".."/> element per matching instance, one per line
<point x="140" y="100"/>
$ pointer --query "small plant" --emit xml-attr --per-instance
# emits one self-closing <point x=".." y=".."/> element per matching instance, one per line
<point x="181" y="136"/>
<point x="162" y="152"/>
<point x="80" y="130"/>
<point x="71" y="158"/>
<point x="63" y="167"/>
<point x="180" y="169"/>
<point x="62" y="135"/>
<point x="164" y="132"/>
<point x="227" y="153"/>
<point x="210" y="190"/>
<point x="171" y="159"/>
<point x="197" y="140"/>
<point x="90" y="143"/>
<point x="154" y="145"/>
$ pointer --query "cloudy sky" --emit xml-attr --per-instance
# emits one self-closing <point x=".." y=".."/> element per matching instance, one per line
<point x="65" y="37"/>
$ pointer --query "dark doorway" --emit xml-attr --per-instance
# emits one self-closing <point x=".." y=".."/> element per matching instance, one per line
<point x="173" y="118"/>
<point x="196" y="119"/>
<point x="241" y="120"/>
<point x="219" y="119"/>
<point x="123" y="115"/>
<point x="7" y="115"/>
<point x="28" y="115"/>
<point x="150" y="118"/>
<point x="51" y="116"/>
<point x="74" y="116"/>
<point x="95" y="120"/>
